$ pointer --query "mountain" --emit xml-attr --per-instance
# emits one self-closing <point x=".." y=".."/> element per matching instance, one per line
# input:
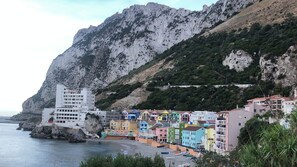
<point x="124" y="42"/>
<point x="263" y="56"/>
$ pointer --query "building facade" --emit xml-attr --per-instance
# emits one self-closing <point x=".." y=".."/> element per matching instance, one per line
<point x="72" y="106"/>
<point x="202" y="116"/>
<point x="192" y="136"/>
<point x="227" y="127"/>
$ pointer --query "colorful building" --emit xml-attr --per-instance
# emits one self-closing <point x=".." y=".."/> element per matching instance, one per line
<point x="115" y="124"/>
<point x="143" y="126"/>
<point x="145" y="115"/>
<point x="174" y="116"/>
<point x="161" y="133"/>
<point x="185" y="117"/>
<point x="129" y="125"/>
<point x="174" y="133"/>
<point x="209" y="138"/>
<point x="228" y="125"/>
<point x="202" y="116"/>
<point x="192" y="136"/>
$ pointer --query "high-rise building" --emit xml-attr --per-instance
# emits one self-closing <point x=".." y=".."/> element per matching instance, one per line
<point x="72" y="106"/>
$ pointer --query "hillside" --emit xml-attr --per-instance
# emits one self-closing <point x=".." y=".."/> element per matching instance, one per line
<point x="263" y="12"/>
<point x="199" y="61"/>
<point x="124" y="42"/>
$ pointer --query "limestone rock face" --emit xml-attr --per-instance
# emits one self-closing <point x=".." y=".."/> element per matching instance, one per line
<point x="123" y="42"/>
<point x="238" y="60"/>
<point x="281" y="69"/>
<point x="92" y="124"/>
<point x="60" y="133"/>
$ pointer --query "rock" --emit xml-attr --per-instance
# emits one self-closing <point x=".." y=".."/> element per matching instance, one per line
<point x="43" y="132"/>
<point x="58" y="133"/>
<point x="92" y="124"/>
<point x="238" y="60"/>
<point x="123" y="42"/>
<point x="20" y="126"/>
<point x="281" y="69"/>
<point x="28" y="126"/>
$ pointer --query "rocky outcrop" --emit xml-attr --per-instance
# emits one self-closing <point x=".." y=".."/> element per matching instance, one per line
<point x="42" y="132"/>
<point x="281" y="69"/>
<point x="91" y="127"/>
<point x="59" y="133"/>
<point x="238" y="60"/>
<point x="92" y="124"/>
<point x="123" y="42"/>
<point x="27" y="121"/>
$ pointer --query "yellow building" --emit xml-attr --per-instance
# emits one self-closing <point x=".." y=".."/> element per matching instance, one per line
<point x="115" y="124"/>
<point x="145" y="115"/>
<point x="164" y="116"/>
<point x="209" y="141"/>
<point x="129" y="125"/>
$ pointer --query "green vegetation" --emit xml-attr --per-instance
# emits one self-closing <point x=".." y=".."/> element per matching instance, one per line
<point x="199" y="59"/>
<point x="199" y="62"/>
<point x="260" y="144"/>
<point x="276" y="147"/>
<point x="116" y="92"/>
<point x="207" y="97"/>
<point x="124" y="161"/>
<point x="252" y="131"/>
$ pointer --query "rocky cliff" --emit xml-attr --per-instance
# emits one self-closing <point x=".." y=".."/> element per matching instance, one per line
<point x="123" y="42"/>
<point x="91" y="129"/>
<point x="60" y="133"/>
<point x="280" y="69"/>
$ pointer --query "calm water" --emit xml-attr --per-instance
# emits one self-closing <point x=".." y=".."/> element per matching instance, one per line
<point x="18" y="149"/>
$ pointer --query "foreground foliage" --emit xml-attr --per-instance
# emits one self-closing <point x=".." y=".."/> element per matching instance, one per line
<point x="124" y="161"/>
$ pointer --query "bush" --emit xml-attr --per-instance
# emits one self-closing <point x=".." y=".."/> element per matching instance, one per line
<point x="124" y="161"/>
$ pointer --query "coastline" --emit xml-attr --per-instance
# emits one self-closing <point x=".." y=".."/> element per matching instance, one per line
<point x="132" y="147"/>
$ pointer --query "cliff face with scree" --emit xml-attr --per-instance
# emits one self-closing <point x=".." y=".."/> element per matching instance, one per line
<point x="123" y="42"/>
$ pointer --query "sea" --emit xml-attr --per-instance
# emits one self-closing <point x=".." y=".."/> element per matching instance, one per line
<point x="18" y="149"/>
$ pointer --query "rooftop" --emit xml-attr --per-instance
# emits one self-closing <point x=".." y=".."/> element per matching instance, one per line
<point x="192" y="128"/>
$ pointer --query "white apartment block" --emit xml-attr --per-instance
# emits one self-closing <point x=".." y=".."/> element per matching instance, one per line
<point x="72" y="106"/>
<point x="202" y="116"/>
<point x="227" y="127"/>
<point x="47" y="116"/>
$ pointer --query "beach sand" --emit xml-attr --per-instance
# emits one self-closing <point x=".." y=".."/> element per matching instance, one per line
<point x="132" y="147"/>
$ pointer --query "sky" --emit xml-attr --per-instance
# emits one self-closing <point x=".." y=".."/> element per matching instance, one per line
<point x="34" y="32"/>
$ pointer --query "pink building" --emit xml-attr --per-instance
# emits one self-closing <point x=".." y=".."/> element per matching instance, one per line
<point x="185" y="117"/>
<point x="161" y="134"/>
<point x="263" y="104"/>
<point x="227" y="127"/>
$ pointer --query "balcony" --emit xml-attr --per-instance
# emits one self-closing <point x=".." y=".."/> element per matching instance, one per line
<point x="220" y="133"/>
<point x="221" y="118"/>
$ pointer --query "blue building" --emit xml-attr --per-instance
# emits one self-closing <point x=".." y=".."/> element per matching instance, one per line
<point x="143" y="126"/>
<point x="133" y="115"/>
<point x="192" y="136"/>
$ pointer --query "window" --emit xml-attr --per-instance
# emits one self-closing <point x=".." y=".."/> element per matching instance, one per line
<point x="239" y="124"/>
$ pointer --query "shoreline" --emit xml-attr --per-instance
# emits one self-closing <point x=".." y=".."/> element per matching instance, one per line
<point x="132" y="147"/>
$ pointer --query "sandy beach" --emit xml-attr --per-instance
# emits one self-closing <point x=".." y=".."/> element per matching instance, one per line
<point x="132" y="147"/>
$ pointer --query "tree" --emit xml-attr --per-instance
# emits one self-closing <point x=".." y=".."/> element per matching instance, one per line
<point x="276" y="147"/>
<point x="124" y="161"/>
<point x="252" y="131"/>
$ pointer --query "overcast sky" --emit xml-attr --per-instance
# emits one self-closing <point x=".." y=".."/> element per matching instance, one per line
<point x="34" y="32"/>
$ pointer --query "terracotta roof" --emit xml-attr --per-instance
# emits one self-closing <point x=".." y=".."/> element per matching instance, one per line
<point x="211" y="127"/>
<point x="192" y="128"/>
<point x="201" y="122"/>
